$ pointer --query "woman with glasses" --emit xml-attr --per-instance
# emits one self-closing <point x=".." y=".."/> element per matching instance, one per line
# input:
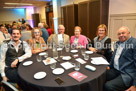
<point x="101" y="43"/>
<point x="37" y="43"/>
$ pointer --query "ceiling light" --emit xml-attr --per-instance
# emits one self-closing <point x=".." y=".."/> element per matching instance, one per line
<point x="12" y="7"/>
<point x="18" y="4"/>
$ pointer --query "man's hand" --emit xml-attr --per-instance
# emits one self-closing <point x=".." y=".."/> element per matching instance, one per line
<point x="108" y="68"/>
<point x="5" y="78"/>
<point x="14" y="63"/>
<point x="132" y="88"/>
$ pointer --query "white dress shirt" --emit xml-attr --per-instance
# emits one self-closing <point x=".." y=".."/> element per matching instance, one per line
<point x="60" y="38"/>
<point x="118" y="54"/>
<point x="4" y="48"/>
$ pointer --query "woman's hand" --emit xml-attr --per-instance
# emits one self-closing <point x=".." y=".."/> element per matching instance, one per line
<point x="93" y="49"/>
<point x="36" y="51"/>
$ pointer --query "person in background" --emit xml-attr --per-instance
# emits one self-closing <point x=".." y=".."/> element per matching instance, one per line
<point x="14" y="23"/>
<point x="23" y="21"/>
<point x="37" y="43"/>
<point x="101" y="43"/>
<point x="19" y="24"/>
<point x="14" y="27"/>
<point x="60" y="37"/>
<point x="12" y="53"/>
<point x="45" y="34"/>
<point x="4" y="35"/>
<point x="78" y="39"/>
<point x="26" y="35"/>
<point x="48" y="29"/>
<point x="121" y="75"/>
<point x="19" y="21"/>
<point x="28" y="27"/>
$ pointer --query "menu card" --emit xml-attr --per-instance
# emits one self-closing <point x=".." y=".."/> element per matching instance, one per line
<point x="99" y="61"/>
<point x="77" y="76"/>
<point x="67" y="65"/>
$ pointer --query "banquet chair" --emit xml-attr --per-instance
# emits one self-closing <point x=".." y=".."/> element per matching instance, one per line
<point x="88" y="39"/>
<point x="9" y="85"/>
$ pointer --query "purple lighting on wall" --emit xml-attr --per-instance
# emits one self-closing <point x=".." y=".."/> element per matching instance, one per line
<point x="29" y="12"/>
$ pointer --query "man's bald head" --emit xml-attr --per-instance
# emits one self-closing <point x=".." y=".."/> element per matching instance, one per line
<point x="123" y="33"/>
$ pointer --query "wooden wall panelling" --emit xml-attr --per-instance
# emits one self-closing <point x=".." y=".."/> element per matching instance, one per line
<point x="83" y="21"/>
<point x="70" y="15"/>
<point x="94" y="18"/>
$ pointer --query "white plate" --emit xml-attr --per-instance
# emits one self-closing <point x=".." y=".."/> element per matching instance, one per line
<point x="88" y="52"/>
<point x="27" y="63"/>
<point x="59" y="49"/>
<point x="58" y="71"/>
<point x="66" y="58"/>
<point x="39" y="75"/>
<point x="42" y="53"/>
<point x="74" y="51"/>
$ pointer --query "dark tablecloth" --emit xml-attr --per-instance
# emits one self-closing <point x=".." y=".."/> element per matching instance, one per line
<point x="94" y="81"/>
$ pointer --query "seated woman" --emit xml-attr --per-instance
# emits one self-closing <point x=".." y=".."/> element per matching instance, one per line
<point x="37" y="43"/>
<point x="102" y="43"/>
<point x="78" y="39"/>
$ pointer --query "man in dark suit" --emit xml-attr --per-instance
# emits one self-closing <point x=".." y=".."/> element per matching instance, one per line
<point x="122" y="73"/>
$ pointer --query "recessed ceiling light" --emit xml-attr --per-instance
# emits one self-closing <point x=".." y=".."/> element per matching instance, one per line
<point x="18" y="4"/>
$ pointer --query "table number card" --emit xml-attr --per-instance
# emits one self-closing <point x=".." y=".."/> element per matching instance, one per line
<point x="77" y="76"/>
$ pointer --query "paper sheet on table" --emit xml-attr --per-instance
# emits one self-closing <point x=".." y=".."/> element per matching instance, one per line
<point x="52" y="60"/>
<point x="67" y="65"/>
<point x="99" y="61"/>
<point x="80" y="60"/>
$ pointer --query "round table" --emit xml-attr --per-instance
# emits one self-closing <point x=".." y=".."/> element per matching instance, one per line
<point x="94" y="81"/>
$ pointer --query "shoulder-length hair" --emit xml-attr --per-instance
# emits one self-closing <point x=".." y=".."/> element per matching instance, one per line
<point x="35" y="29"/>
<point x="102" y="26"/>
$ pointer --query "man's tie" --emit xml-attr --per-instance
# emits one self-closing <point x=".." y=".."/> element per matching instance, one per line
<point x="4" y="35"/>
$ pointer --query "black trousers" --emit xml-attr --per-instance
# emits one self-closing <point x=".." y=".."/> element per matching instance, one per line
<point x="114" y="81"/>
<point x="12" y="75"/>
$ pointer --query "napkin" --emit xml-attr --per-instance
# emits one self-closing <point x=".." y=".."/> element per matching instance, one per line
<point x="67" y="65"/>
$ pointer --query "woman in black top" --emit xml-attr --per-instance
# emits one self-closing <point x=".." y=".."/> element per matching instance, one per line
<point x="101" y="43"/>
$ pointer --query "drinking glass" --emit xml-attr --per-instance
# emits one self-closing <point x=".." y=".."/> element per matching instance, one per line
<point x="53" y="65"/>
<point x="46" y="55"/>
<point x="83" y="52"/>
<point x="67" y="49"/>
<point x="55" y="53"/>
<point x="39" y="58"/>
<point x="77" y="66"/>
<point x="86" y="57"/>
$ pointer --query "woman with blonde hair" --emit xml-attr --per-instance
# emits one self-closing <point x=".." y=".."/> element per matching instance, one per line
<point x="101" y="43"/>
<point x="37" y="43"/>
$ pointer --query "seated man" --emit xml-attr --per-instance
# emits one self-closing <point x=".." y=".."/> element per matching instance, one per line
<point x="4" y="35"/>
<point x="122" y="73"/>
<point x="60" y="37"/>
<point x="12" y="53"/>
